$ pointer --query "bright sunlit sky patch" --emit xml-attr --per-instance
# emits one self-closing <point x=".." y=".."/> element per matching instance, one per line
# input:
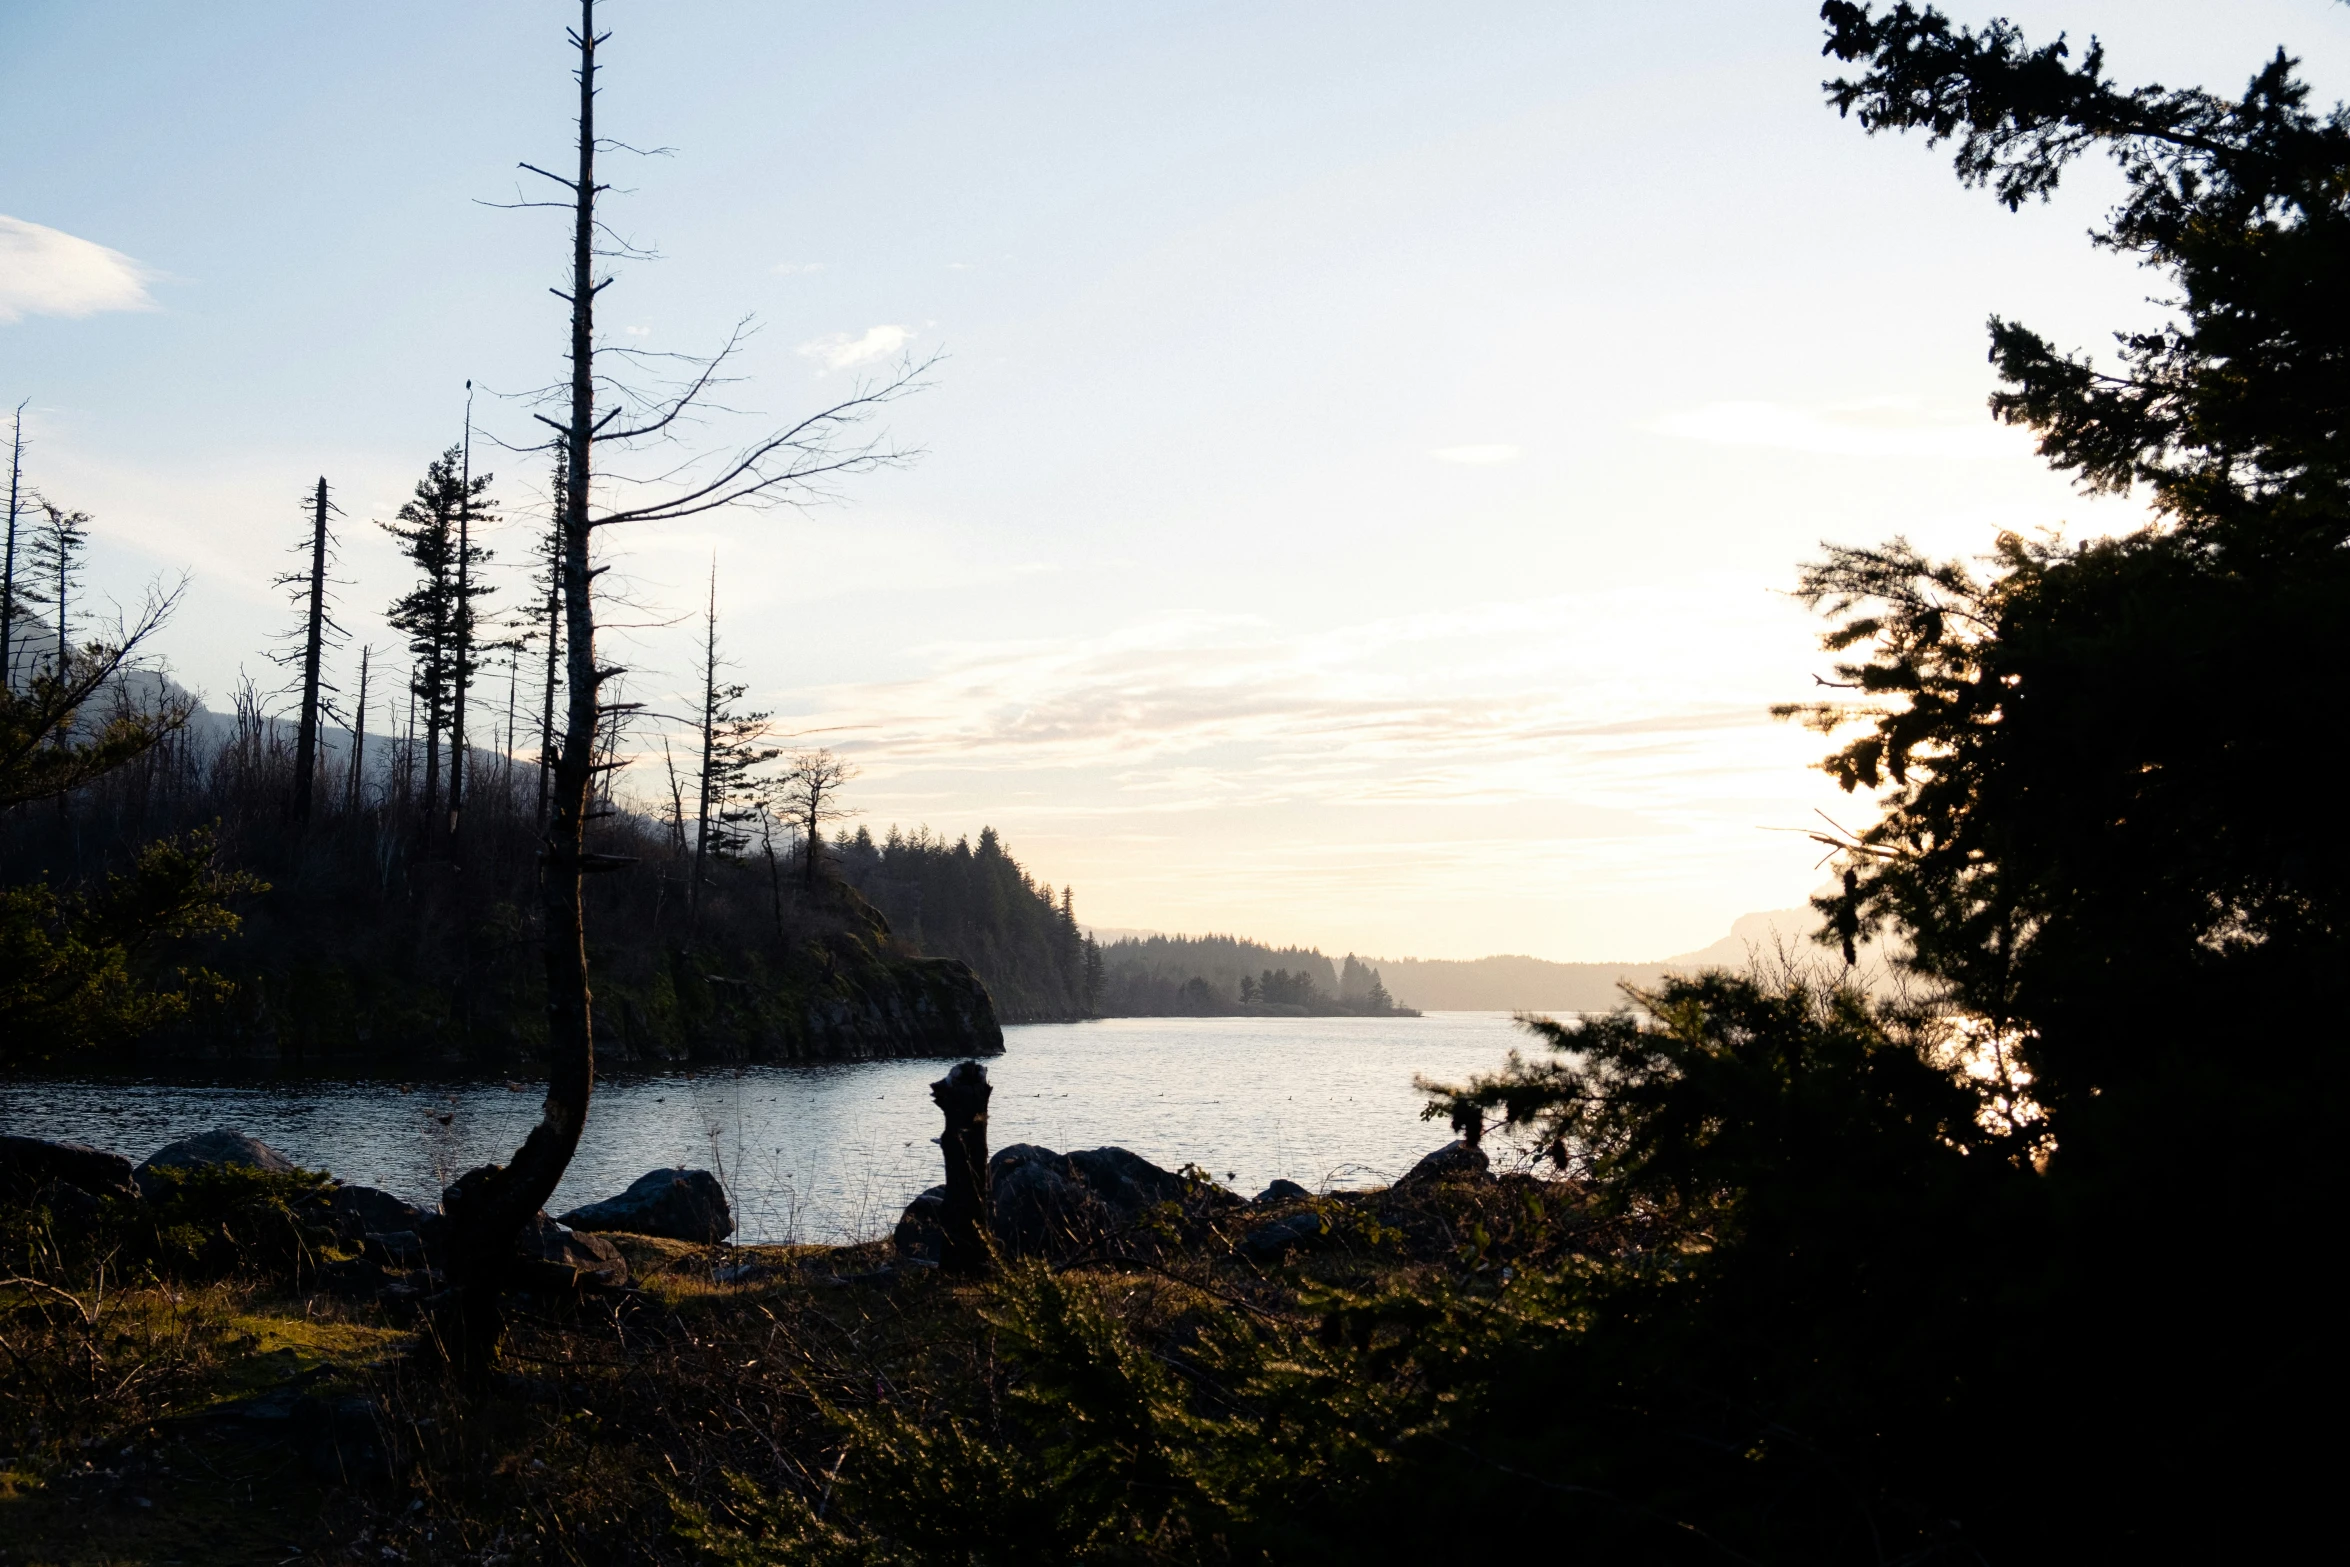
<point x="1373" y="449"/>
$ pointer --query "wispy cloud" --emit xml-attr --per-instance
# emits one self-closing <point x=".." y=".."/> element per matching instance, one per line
<point x="797" y="268"/>
<point x="1873" y="429"/>
<point x="45" y="272"/>
<point x="1475" y="456"/>
<point x="840" y="351"/>
<point x="1223" y="711"/>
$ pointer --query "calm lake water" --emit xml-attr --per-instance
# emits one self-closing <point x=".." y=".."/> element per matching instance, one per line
<point x="832" y="1153"/>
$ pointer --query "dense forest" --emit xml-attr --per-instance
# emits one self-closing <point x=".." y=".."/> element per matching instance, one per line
<point x="1222" y="976"/>
<point x="974" y="903"/>
<point x="169" y="908"/>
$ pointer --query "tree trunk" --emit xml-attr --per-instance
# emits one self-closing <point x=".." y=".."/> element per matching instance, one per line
<point x="554" y="612"/>
<point x="8" y="562"/>
<point x="705" y="802"/>
<point x="461" y="632"/>
<point x="354" y="784"/>
<point x="487" y="1216"/>
<point x="963" y="1095"/>
<point x="313" y="637"/>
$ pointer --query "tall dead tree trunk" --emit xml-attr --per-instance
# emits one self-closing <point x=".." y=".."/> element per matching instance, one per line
<point x="313" y="639"/>
<point x="707" y="797"/>
<point x="488" y="1207"/>
<point x="352" y="791"/>
<point x="963" y="1094"/>
<point x="461" y="634"/>
<point x="8" y="569"/>
<point x="554" y="636"/>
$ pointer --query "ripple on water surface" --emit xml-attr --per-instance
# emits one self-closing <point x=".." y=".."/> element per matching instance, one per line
<point x="832" y="1152"/>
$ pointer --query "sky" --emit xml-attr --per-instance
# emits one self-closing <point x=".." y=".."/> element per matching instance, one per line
<point x="1372" y="446"/>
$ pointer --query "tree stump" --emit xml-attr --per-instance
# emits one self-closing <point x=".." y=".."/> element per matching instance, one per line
<point x="963" y="1095"/>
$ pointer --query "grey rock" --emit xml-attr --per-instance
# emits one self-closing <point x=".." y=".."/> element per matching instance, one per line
<point x="1282" y="1191"/>
<point x="1455" y="1160"/>
<point x="31" y="1162"/>
<point x="1038" y="1204"/>
<point x="1043" y="1203"/>
<point x="209" y="1149"/>
<point x="364" y="1210"/>
<point x="553" y="1257"/>
<point x="920" y="1233"/>
<point x="1271" y="1242"/>
<point x="1126" y="1182"/>
<point x="678" y="1205"/>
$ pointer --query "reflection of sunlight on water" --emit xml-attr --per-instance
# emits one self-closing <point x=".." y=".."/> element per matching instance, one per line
<point x="832" y="1152"/>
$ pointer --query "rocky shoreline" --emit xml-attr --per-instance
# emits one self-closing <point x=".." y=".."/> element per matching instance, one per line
<point x="1037" y="1202"/>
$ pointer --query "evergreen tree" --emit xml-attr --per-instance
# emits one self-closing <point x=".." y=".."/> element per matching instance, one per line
<point x="728" y="797"/>
<point x="58" y="544"/>
<point x="438" y="612"/>
<point x="980" y="906"/>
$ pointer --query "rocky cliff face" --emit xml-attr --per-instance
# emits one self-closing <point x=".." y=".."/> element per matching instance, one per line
<point x="828" y="982"/>
<point x="844" y="989"/>
<point x="876" y="1007"/>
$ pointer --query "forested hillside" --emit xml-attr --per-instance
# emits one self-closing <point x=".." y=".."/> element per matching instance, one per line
<point x="975" y="904"/>
<point x="170" y="908"/>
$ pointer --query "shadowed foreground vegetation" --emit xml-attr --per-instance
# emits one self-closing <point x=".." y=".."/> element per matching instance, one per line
<point x="1770" y="1299"/>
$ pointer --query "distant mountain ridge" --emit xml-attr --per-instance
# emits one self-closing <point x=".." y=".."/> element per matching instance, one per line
<point x="1147" y="961"/>
<point x="1513" y="983"/>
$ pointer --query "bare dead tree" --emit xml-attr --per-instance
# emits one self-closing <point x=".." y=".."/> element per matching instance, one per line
<point x="8" y="562"/>
<point x="461" y="632"/>
<point x="552" y="631"/>
<point x="488" y="1207"/>
<point x="315" y="625"/>
<point x="809" y="798"/>
<point x="353" y="783"/>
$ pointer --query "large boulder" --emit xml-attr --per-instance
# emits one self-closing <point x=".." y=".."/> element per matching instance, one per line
<point x="678" y="1205"/>
<point x="1281" y="1191"/>
<point x="389" y="1230"/>
<point x="28" y="1163"/>
<point x="1127" y="1182"/>
<point x="1038" y="1204"/>
<point x="1456" y="1160"/>
<point x="357" y="1211"/>
<point x="211" y="1149"/>
<point x="549" y="1256"/>
<point x="1047" y="1204"/>
<point x="1043" y="1203"/>
<point x="921" y="1232"/>
<point x="1271" y="1242"/>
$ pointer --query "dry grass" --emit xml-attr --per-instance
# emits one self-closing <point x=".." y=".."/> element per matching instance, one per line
<point x="719" y="1363"/>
